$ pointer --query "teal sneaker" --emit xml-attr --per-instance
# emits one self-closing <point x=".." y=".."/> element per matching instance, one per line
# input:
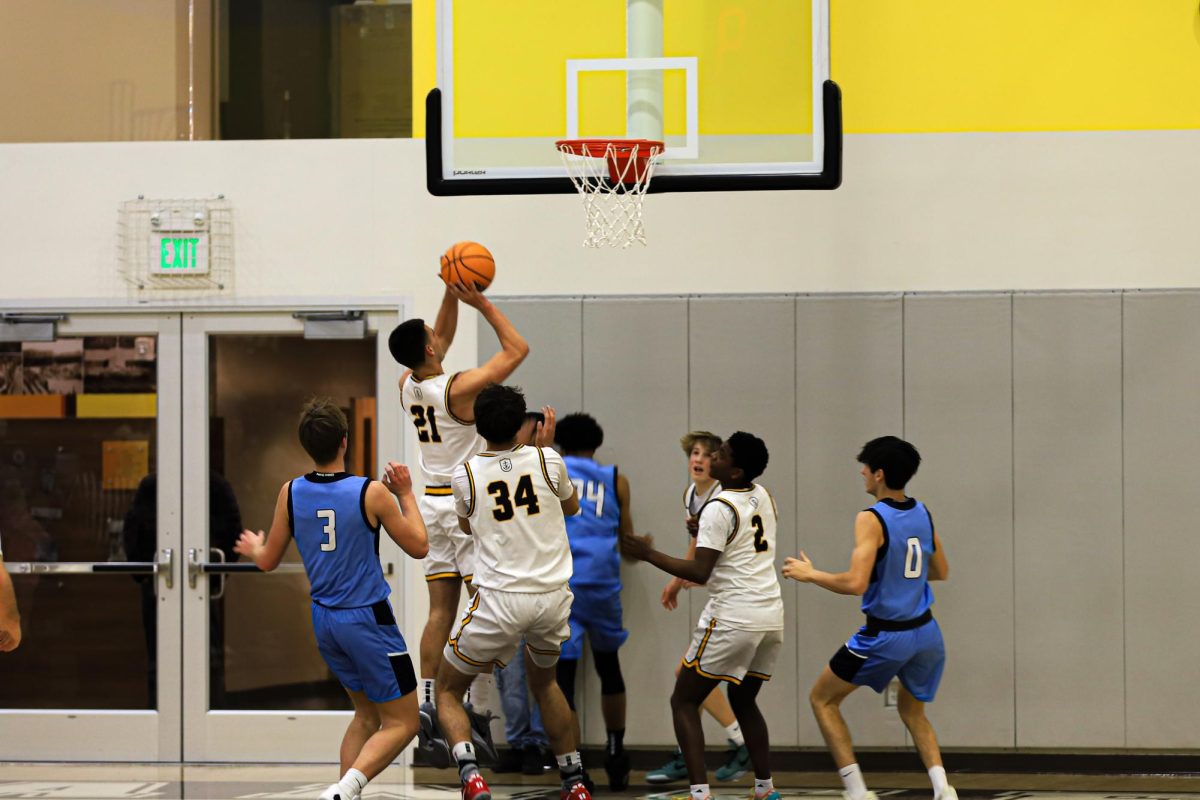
<point x="772" y="795"/>
<point x="673" y="770"/>
<point x="737" y="766"/>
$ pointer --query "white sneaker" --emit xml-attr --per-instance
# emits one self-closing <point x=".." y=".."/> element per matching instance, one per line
<point x="867" y="796"/>
<point x="946" y="794"/>
<point x="334" y="792"/>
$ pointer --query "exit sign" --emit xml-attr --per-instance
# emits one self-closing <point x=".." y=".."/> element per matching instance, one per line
<point x="179" y="253"/>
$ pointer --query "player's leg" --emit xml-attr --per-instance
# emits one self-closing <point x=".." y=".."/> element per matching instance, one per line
<point x="362" y="727"/>
<point x="676" y="768"/>
<point x="606" y="634"/>
<point x="738" y="762"/>
<point x="826" y="699"/>
<point x="743" y="699"/>
<point x="690" y="690"/>
<point x="919" y="681"/>
<point x="565" y="672"/>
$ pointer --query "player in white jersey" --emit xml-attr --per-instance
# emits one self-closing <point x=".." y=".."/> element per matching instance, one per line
<point x="441" y="408"/>
<point x="513" y="499"/>
<point x="740" y="631"/>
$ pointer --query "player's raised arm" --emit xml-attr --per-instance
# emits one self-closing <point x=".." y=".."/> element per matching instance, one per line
<point x="513" y="350"/>
<point x="266" y="551"/>
<point x="868" y="536"/>
<point x="406" y="529"/>
<point x="447" y="319"/>
<point x="939" y="567"/>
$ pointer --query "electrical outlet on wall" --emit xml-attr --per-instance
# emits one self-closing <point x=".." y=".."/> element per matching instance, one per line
<point x="891" y="695"/>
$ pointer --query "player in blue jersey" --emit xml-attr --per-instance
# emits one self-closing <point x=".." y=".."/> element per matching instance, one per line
<point x="896" y="553"/>
<point x="335" y="519"/>
<point x="604" y="517"/>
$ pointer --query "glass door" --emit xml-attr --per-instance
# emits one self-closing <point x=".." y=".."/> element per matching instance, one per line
<point x="256" y="689"/>
<point x="90" y="527"/>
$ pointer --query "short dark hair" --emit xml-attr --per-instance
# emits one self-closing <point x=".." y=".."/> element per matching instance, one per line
<point x="578" y="433"/>
<point x="536" y="417"/>
<point x="897" y="458"/>
<point x="407" y="343"/>
<point x="322" y="427"/>
<point x="499" y="412"/>
<point x="749" y="454"/>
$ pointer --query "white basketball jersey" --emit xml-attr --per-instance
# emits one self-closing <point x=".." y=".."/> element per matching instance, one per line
<point x="445" y="441"/>
<point x="744" y="586"/>
<point x="512" y="500"/>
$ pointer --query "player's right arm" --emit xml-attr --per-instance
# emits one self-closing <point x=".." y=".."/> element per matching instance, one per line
<point x="463" y="487"/>
<point x="868" y="536"/>
<point x="10" y="618"/>
<point x="447" y="319"/>
<point x="513" y="350"/>
<point x="939" y="567"/>
<point x="266" y="551"/>
<point x="407" y="529"/>
<point x="562" y="481"/>
<point x="670" y="594"/>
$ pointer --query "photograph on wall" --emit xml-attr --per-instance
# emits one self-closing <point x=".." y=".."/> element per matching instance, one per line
<point x="53" y="367"/>
<point x="10" y="368"/>
<point x="119" y="364"/>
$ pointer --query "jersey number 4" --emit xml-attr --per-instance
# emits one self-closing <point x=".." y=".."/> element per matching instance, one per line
<point x="524" y="496"/>
<point x="330" y="529"/>
<point x="760" y="544"/>
<point x="424" y="416"/>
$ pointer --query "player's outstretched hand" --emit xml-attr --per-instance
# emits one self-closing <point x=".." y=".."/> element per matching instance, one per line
<point x="798" y="569"/>
<point x="397" y="479"/>
<point x="670" y="594"/>
<point x="637" y="547"/>
<point x="250" y="543"/>
<point x="467" y="293"/>
<point x="544" y="435"/>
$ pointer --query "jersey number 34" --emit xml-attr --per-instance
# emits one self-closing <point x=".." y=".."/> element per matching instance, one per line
<point x="524" y="496"/>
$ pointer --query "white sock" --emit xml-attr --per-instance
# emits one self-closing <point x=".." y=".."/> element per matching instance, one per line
<point x="464" y="751"/>
<point x="569" y="761"/>
<point x="763" y="788"/>
<point x="479" y="694"/>
<point x="734" y="734"/>
<point x="427" y="695"/>
<point x="937" y="776"/>
<point x="352" y="783"/>
<point x="699" y="791"/>
<point x="852" y="779"/>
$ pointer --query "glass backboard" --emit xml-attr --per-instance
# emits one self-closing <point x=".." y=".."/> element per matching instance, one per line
<point x="738" y="91"/>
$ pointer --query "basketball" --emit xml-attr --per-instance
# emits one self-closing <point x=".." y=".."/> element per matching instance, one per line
<point x="465" y="261"/>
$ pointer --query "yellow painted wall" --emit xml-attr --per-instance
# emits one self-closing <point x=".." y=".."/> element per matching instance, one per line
<point x="905" y="66"/>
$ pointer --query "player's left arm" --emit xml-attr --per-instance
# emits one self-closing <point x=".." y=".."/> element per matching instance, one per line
<point x="402" y="522"/>
<point x="463" y="488"/>
<point x="447" y="319"/>
<point x="266" y="551"/>
<point x="717" y="526"/>
<point x="868" y="536"/>
<point x="939" y="567"/>
<point x="625" y="526"/>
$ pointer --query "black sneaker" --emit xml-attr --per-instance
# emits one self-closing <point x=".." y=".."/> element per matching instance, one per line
<point x="617" y="767"/>
<point x="481" y="734"/>
<point x="533" y="761"/>
<point x="511" y="760"/>
<point x="430" y="739"/>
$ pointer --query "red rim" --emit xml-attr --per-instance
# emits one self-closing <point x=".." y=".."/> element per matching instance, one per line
<point x="597" y="148"/>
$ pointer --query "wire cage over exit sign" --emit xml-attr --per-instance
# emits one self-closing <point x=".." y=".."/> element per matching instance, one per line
<point x="180" y="247"/>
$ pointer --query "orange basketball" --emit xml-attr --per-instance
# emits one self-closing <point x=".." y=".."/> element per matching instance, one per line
<point x="465" y="261"/>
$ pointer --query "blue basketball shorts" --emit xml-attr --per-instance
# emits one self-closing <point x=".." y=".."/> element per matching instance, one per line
<point x="597" y="613"/>
<point x="365" y="650"/>
<point x="873" y="658"/>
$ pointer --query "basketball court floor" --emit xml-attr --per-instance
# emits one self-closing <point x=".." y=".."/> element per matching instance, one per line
<point x="303" y="782"/>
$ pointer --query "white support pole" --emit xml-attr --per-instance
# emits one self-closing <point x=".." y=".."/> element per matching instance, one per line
<point x="644" y="89"/>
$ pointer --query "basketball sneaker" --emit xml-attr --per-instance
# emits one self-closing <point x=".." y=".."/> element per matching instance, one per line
<point x="334" y="792"/>
<point x="673" y="770"/>
<point x="474" y="788"/>
<point x="481" y="734"/>
<point x="430" y="739"/>
<point x="737" y="765"/>
<point x="948" y="793"/>
<point x="577" y="792"/>
<point x="771" y="795"/>
<point x="617" y="767"/>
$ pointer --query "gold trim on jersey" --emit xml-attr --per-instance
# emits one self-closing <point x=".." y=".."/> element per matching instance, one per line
<point x="694" y="664"/>
<point x="749" y="488"/>
<point x="471" y="486"/>
<point x="490" y="454"/>
<point x="546" y="472"/>
<point x="542" y="652"/>
<point x="737" y="519"/>
<point x="449" y="408"/>
<point x="774" y="507"/>
<point x="468" y="578"/>
<point x="442" y="576"/>
<point x="761" y="676"/>
<point x="453" y="641"/>
<point x="438" y="491"/>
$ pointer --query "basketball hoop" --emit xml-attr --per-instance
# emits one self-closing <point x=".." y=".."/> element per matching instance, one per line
<point x="612" y="176"/>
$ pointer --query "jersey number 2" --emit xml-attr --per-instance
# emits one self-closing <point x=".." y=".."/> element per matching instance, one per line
<point x="524" y="496"/>
<point x="760" y="544"/>
<point x="330" y="529"/>
<point x="422" y="416"/>
<point x="912" y="560"/>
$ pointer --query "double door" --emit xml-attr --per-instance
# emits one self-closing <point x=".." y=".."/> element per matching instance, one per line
<point x="134" y="448"/>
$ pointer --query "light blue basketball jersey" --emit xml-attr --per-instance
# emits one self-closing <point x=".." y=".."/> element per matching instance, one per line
<point x="593" y="531"/>
<point x="899" y="587"/>
<point x="340" y="549"/>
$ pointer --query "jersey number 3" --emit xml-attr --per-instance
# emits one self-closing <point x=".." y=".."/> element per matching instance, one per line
<point x="524" y="496"/>
<point x="760" y="544"/>
<point x="330" y="529"/>
<point x="422" y="416"/>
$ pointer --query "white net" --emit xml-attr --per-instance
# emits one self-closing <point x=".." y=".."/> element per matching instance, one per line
<point x="612" y="178"/>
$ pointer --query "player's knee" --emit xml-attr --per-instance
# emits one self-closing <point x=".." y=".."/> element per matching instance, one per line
<point x="608" y="666"/>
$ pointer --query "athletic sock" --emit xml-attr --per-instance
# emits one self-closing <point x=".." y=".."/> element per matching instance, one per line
<point x="427" y="694"/>
<point x="479" y="693"/>
<point x="616" y="742"/>
<point x="764" y="787"/>
<point x="937" y="776"/>
<point x="852" y="779"/>
<point x="352" y="783"/>
<point x="464" y="754"/>
<point x="734" y="734"/>
<point x="700" y="791"/>
<point x="570" y="769"/>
